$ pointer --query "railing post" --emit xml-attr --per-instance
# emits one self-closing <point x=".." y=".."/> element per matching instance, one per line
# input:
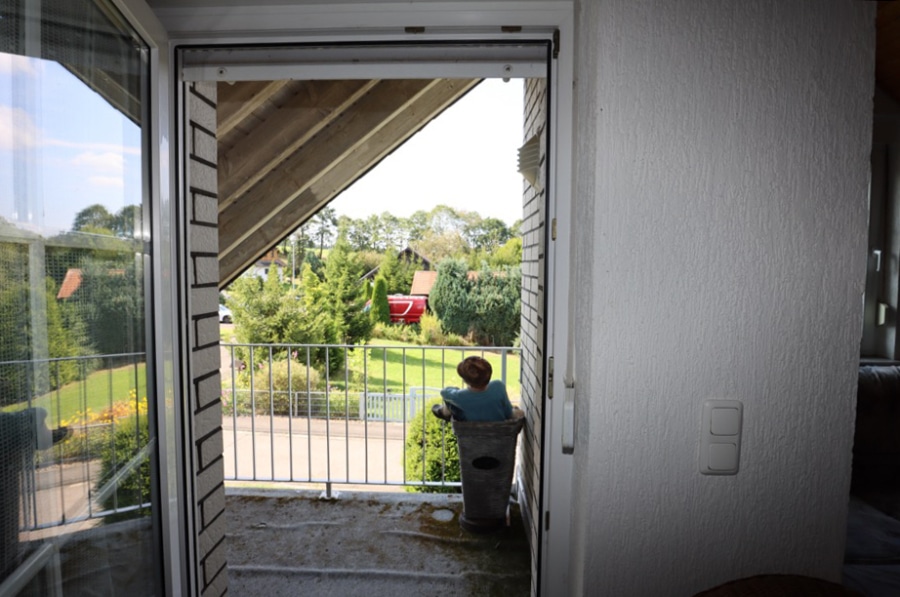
<point x="503" y="365"/>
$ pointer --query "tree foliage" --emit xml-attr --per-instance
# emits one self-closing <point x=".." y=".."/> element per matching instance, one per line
<point x="111" y="302"/>
<point x="497" y="306"/>
<point x="346" y="297"/>
<point x="380" y="310"/>
<point x="267" y="312"/>
<point x="451" y="296"/>
<point x="487" y="305"/>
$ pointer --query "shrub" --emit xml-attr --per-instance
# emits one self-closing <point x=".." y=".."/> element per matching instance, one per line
<point x="435" y="439"/>
<point x="274" y="397"/>
<point x="432" y="333"/>
<point x="397" y="332"/>
<point x="451" y="296"/>
<point x="134" y="488"/>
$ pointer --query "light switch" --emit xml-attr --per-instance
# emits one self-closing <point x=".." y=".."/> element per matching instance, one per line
<point x="722" y="457"/>
<point x="720" y="437"/>
<point x="725" y="421"/>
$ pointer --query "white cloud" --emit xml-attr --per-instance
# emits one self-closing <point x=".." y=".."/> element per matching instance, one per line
<point x="106" y="181"/>
<point x="13" y="63"/>
<point x="110" y="162"/>
<point x="16" y="128"/>
<point x="95" y="147"/>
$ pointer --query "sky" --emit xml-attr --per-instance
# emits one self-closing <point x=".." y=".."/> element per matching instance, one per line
<point x="82" y="151"/>
<point x="466" y="158"/>
<point x="72" y="154"/>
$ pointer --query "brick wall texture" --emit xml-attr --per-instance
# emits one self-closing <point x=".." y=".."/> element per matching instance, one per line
<point x="532" y="334"/>
<point x="204" y="337"/>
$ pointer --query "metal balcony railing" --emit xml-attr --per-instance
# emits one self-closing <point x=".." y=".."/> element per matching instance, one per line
<point x="102" y="399"/>
<point x="340" y="414"/>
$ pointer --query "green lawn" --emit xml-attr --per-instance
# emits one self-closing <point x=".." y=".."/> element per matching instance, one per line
<point x="95" y="393"/>
<point x="436" y="368"/>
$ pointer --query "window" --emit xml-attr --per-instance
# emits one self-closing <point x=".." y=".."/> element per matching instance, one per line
<point x="880" y="341"/>
<point x="76" y="443"/>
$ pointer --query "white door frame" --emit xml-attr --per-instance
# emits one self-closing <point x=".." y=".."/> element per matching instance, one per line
<point x="249" y="23"/>
<point x="168" y="313"/>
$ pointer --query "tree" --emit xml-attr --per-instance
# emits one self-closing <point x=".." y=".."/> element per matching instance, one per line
<point x="380" y="311"/>
<point x="415" y="226"/>
<point x="345" y="295"/>
<point x="488" y="306"/>
<point x="487" y="234"/>
<point x="450" y="297"/>
<point x="127" y="222"/>
<point x="510" y="253"/>
<point x="389" y="271"/>
<point x="442" y="245"/>
<point x="265" y="312"/>
<point x="323" y="226"/>
<point x="496" y="317"/>
<point x="111" y="302"/>
<point x="94" y="218"/>
<point x="443" y="218"/>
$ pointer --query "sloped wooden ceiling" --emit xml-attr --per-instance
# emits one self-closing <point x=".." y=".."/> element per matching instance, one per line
<point x="287" y="148"/>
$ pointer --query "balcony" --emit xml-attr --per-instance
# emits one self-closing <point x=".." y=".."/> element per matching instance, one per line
<point x="319" y="477"/>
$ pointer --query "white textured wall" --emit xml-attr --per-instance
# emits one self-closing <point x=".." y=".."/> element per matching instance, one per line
<point x="721" y="187"/>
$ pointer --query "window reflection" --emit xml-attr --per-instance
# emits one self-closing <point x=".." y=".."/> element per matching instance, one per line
<point x="76" y="442"/>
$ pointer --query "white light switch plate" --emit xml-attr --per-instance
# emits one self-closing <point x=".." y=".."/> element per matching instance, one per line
<point x="720" y="437"/>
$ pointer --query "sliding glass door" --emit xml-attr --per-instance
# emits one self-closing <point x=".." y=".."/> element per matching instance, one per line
<point x="77" y="443"/>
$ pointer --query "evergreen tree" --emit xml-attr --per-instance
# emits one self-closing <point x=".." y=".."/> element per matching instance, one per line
<point x="496" y="316"/>
<point x="346" y="296"/>
<point x="450" y="297"/>
<point x="389" y="271"/>
<point x="380" y="311"/>
<point x="267" y="312"/>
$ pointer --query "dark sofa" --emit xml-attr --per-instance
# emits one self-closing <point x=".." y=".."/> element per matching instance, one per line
<point x="872" y="557"/>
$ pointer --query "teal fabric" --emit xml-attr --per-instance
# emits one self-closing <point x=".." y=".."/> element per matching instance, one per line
<point x="489" y="404"/>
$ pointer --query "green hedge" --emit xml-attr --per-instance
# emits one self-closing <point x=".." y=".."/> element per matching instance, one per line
<point x="434" y="438"/>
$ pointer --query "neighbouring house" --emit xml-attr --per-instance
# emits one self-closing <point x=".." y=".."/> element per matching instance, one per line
<point x="408" y="255"/>
<point x="422" y="282"/>
<point x="261" y="267"/>
<point x="73" y="280"/>
<point x="701" y="232"/>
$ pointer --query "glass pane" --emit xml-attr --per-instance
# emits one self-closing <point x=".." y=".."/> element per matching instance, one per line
<point x="76" y="445"/>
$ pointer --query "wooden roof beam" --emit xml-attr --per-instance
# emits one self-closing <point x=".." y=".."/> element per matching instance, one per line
<point x="237" y="101"/>
<point x="334" y="180"/>
<point x="311" y="109"/>
<point x="253" y="209"/>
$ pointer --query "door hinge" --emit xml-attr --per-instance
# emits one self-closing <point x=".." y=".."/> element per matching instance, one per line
<point x="547" y="521"/>
<point x="553" y="229"/>
<point x="555" y="43"/>
<point x="550" y="378"/>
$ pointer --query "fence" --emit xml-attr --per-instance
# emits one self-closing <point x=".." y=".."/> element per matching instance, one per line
<point x="53" y="481"/>
<point x="345" y="414"/>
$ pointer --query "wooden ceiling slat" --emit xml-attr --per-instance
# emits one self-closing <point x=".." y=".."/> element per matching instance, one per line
<point x="313" y="107"/>
<point x="253" y="209"/>
<point x="358" y="153"/>
<point x="239" y="100"/>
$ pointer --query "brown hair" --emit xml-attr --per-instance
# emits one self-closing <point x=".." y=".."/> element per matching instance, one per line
<point x="475" y="371"/>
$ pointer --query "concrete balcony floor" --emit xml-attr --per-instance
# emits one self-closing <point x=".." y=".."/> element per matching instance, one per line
<point x="294" y="542"/>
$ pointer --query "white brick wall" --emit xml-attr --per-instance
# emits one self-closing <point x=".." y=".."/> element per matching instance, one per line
<point x="205" y="359"/>
<point x="532" y="334"/>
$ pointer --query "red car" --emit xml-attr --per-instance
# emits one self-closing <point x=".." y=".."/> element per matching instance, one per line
<point x="406" y="309"/>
